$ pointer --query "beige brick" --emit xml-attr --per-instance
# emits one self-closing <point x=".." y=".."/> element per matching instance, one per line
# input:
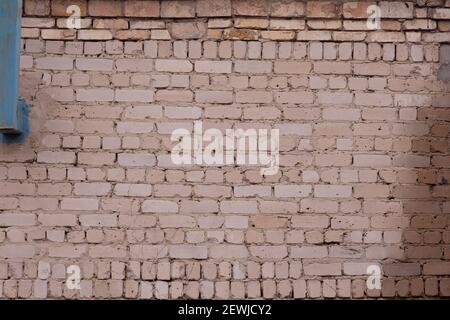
<point x="79" y="204"/>
<point x="98" y="220"/>
<point x="254" y="97"/>
<point x="102" y="251"/>
<point x="178" y="9"/>
<point x="94" y="64"/>
<point x="373" y="99"/>
<point x="324" y="24"/>
<point x="133" y="190"/>
<point x="250" y="8"/>
<point x="177" y="221"/>
<point x="240" y="34"/>
<point x="136" y="160"/>
<point x="188" y="30"/>
<point x="357" y="9"/>
<point x="323" y="269"/>
<point x="141" y="34"/>
<point x="228" y="252"/>
<point x="174" y="95"/>
<point x="139" y="8"/>
<point x="38" y="22"/>
<point x="371" y="161"/>
<point x="58" y="220"/>
<point x="308" y="252"/>
<point x="252" y="67"/>
<point x="94" y="35"/>
<point x="332" y="67"/>
<point x="323" y="9"/>
<point x="54" y="63"/>
<point x="440" y="13"/>
<point x="371" y="190"/>
<point x="199" y="206"/>
<point x="56" y="157"/>
<point x="385" y="36"/>
<point x="213" y="96"/>
<point x="137" y="221"/>
<point x="350" y="222"/>
<point x="188" y="252"/>
<point x="250" y="191"/>
<point x="332" y="191"/>
<point x="294" y="97"/>
<point x="238" y="206"/>
<point x="134" y="95"/>
<point x="213" y="66"/>
<point x="213" y="8"/>
<point x="287" y="8"/>
<point x="87" y="95"/>
<point x="251" y="23"/>
<point x="134" y="65"/>
<point x="67" y="251"/>
<point x="269" y="252"/>
<point x="278" y="35"/>
<point x="292" y="191"/>
<point x="292" y="67"/>
<point x="282" y="24"/>
<point x="396" y="9"/>
<point x="17" y="251"/>
<point x="38" y="8"/>
<point x="17" y="219"/>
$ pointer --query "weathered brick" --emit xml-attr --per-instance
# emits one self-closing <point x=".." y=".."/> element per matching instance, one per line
<point x="292" y="67"/>
<point x="59" y="7"/>
<point x="269" y="252"/>
<point x="213" y="8"/>
<point x="323" y="269"/>
<point x="287" y="8"/>
<point x="214" y="96"/>
<point x="323" y="9"/>
<point x="363" y="151"/>
<point x="54" y="63"/>
<point x="37" y="8"/>
<point x="250" y="8"/>
<point x="240" y="34"/>
<point x="178" y="9"/>
<point x="357" y="9"/>
<point x="79" y="204"/>
<point x="173" y="65"/>
<point x="188" y="30"/>
<point x="188" y="252"/>
<point x="396" y="9"/>
<point x="141" y="8"/>
<point x="105" y="8"/>
<point x="228" y="251"/>
<point x="330" y="191"/>
<point x="213" y="66"/>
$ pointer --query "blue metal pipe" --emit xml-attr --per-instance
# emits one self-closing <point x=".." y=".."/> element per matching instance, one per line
<point x="13" y="112"/>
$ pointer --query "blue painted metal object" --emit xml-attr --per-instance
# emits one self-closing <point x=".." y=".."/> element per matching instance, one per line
<point x="13" y="112"/>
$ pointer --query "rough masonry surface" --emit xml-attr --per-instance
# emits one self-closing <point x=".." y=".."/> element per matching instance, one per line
<point x="364" y="151"/>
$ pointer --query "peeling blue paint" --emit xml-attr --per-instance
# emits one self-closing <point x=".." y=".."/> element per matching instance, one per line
<point x="23" y="125"/>
<point x="13" y="112"/>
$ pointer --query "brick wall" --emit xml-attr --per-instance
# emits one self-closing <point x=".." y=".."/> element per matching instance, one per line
<point x="364" y="151"/>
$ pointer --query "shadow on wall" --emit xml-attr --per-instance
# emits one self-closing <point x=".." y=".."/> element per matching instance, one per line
<point x="42" y="107"/>
<point x="417" y="260"/>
